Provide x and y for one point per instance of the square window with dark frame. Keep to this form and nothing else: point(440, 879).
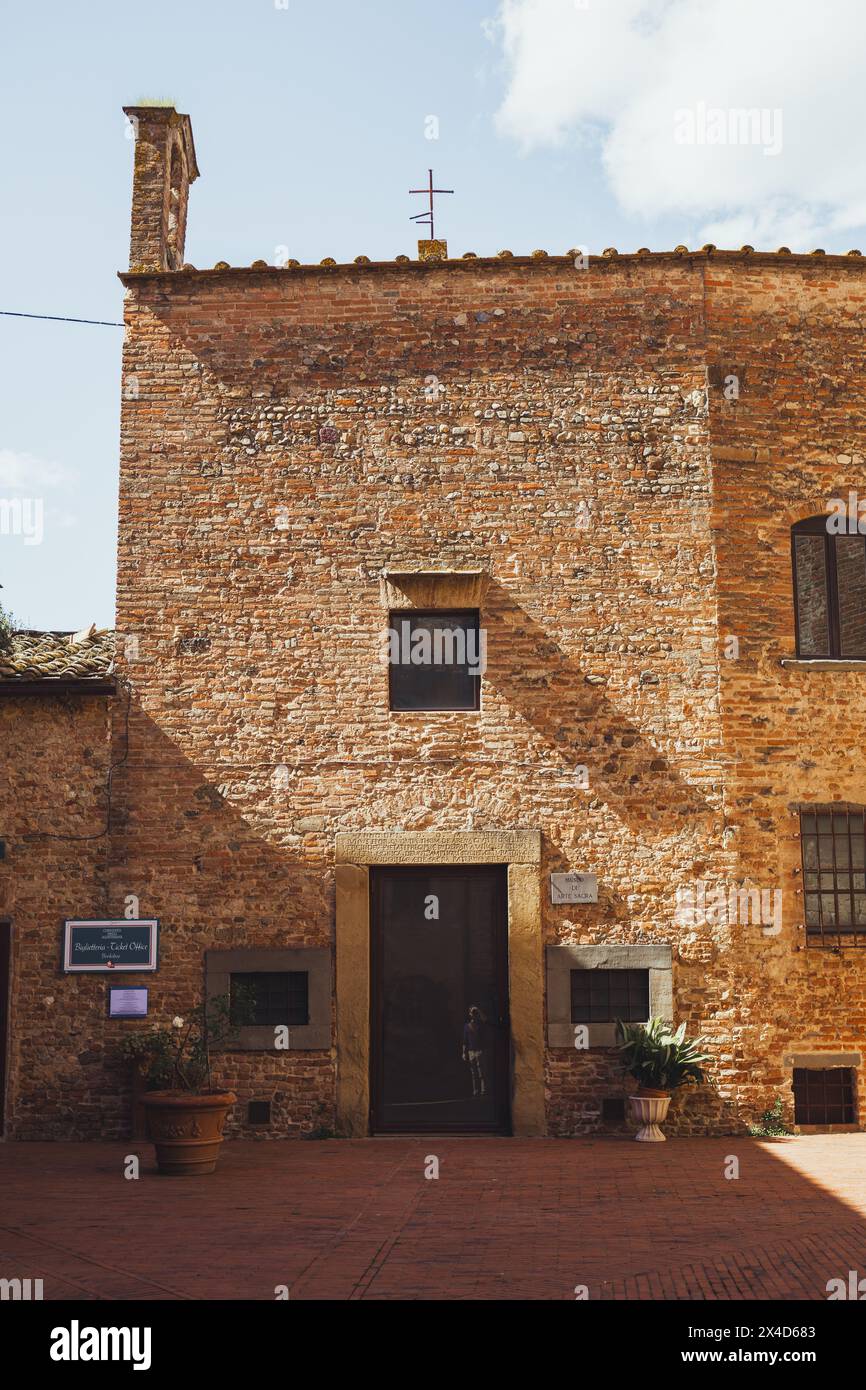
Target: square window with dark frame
point(435, 659)
point(833, 843)
point(603, 996)
point(276, 998)
point(824, 1097)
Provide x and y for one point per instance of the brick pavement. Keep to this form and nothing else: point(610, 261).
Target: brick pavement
point(507, 1218)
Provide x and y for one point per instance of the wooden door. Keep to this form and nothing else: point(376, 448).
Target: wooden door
point(440, 1045)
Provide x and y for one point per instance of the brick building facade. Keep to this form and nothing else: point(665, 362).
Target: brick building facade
point(603, 462)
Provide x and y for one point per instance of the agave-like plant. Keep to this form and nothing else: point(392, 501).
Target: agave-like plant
point(659, 1058)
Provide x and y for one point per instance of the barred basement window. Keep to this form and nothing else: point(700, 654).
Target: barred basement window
point(833, 845)
point(824, 1097)
point(435, 659)
point(829, 591)
point(602, 996)
point(278, 997)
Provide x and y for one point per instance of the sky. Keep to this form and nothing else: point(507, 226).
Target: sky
point(558, 123)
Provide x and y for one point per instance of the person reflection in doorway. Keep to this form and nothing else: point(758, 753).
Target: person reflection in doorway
point(473, 1047)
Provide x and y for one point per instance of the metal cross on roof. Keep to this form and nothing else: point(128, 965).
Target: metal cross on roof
point(428, 215)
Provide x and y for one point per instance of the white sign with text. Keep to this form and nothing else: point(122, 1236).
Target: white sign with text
point(573, 888)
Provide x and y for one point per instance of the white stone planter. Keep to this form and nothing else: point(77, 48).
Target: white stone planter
point(649, 1112)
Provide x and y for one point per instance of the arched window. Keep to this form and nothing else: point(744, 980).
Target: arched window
point(829, 588)
point(175, 229)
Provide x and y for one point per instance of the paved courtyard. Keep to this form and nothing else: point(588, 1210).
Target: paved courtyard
point(506, 1218)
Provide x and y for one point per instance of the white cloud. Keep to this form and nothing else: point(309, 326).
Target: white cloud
point(21, 472)
point(617, 72)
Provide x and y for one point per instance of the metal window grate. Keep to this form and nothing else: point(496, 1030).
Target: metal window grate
point(278, 997)
point(833, 843)
point(602, 996)
point(824, 1097)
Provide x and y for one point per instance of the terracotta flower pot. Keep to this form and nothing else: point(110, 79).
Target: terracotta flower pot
point(649, 1108)
point(187, 1129)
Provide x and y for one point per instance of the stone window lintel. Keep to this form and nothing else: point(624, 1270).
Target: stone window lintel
point(656, 958)
point(445, 589)
point(316, 960)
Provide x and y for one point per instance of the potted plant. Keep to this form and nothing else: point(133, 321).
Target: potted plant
point(185, 1114)
point(660, 1060)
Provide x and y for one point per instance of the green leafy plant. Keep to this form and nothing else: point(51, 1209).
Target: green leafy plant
point(8, 626)
point(151, 1053)
point(178, 1057)
point(659, 1058)
point(770, 1124)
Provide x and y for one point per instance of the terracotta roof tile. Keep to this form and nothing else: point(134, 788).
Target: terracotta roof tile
point(86, 655)
point(642, 253)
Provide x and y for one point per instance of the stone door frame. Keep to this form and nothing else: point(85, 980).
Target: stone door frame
point(355, 853)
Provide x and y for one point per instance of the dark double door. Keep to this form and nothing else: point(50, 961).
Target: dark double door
point(439, 1029)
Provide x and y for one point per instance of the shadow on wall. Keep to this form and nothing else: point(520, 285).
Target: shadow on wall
point(292, 335)
point(196, 862)
point(543, 685)
point(209, 864)
point(549, 690)
point(582, 1085)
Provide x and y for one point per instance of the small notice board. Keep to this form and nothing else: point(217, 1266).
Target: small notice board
point(127, 1003)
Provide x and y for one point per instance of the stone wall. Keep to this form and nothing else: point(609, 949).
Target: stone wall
point(62, 1079)
point(282, 452)
point(793, 734)
point(290, 436)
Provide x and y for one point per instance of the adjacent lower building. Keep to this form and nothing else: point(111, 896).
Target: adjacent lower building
point(489, 665)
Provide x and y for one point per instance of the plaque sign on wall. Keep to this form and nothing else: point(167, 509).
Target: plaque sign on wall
point(127, 1003)
point(110, 945)
point(573, 888)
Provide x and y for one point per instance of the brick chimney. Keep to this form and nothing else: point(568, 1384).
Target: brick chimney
point(165, 166)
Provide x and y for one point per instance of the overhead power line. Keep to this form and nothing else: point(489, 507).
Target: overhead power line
point(58, 318)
